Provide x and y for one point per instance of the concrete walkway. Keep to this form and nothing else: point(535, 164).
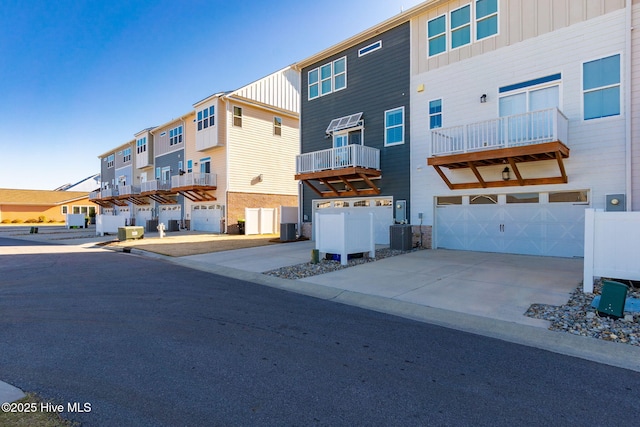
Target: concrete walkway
point(481, 293)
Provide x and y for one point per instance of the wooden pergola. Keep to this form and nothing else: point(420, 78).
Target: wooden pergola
point(345, 182)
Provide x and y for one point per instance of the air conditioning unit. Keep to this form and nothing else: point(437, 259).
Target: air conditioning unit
point(401, 237)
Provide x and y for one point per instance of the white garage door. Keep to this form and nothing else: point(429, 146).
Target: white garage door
point(206, 218)
point(381, 207)
point(169, 212)
point(539, 226)
point(143, 214)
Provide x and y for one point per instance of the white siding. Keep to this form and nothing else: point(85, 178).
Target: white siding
point(635, 109)
point(254, 150)
point(597, 158)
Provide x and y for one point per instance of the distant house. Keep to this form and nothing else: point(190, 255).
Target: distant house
point(87, 184)
point(233, 150)
point(17, 206)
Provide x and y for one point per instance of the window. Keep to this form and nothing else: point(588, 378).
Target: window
point(206, 118)
point(435, 114)
point(111, 160)
point(158, 172)
point(484, 199)
point(394, 126)
point(175, 136)
point(371, 48)
point(328, 78)
point(237, 116)
point(189, 166)
point(569, 197)
point(277, 126)
point(180, 167)
point(449, 200)
point(65, 210)
point(141, 145)
point(313, 84)
point(460, 26)
point(437, 34)
point(601, 87)
point(486, 18)
point(126, 155)
point(339, 74)
point(523, 198)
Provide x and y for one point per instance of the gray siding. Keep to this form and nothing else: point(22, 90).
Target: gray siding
point(172, 160)
point(107, 174)
point(376, 82)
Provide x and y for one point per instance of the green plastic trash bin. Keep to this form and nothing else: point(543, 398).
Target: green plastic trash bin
point(612, 299)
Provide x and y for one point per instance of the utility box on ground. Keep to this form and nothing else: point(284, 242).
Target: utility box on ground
point(400, 237)
point(612, 300)
point(129, 233)
point(287, 232)
point(152, 225)
point(173, 225)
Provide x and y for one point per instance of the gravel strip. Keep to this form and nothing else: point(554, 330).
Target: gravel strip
point(579, 318)
point(307, 269)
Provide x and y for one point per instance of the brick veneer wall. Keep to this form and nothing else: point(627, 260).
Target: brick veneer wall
point(236, 202)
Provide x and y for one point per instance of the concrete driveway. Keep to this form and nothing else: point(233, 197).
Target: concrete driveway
point(497, 286)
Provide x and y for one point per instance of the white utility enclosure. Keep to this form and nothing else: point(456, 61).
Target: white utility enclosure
point(108, 224)
point(345, 233)
point(74, 220)
point(261, 220)
point(611, 246)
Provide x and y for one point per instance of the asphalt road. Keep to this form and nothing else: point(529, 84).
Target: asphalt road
point(146, 342)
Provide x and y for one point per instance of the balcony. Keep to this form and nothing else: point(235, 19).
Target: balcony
point(131, 193)
point(96, 197)
point(159, 191)
point(534, 136)
point(344, 171)
point(195, 186)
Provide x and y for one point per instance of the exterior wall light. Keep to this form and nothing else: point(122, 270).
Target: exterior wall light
point(483, 98)
point(506, 175)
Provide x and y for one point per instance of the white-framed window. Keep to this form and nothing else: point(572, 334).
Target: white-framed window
point(437, 35)
point(435, 114)
point(189, 166)
point(111, 160)
point(206, 117)
point(126, 155)
point(175, 135)
point(180, 166)
point(237, 116)
point(370, 48)
point(394, 126)
point(601, 87)
point(327, 78)
point(158, 173)
point(277, 126)
point(166, 174)
point(486, 18)
point(141, 145)
point(64, 209)
point(460, 26)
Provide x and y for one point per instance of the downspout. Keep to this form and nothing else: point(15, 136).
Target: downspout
point(627, 102)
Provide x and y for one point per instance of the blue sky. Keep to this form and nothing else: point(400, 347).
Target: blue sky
point(78, 78)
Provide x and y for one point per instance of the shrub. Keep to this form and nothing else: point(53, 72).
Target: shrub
point(16, 221)
point(42, 218)
point(51, 221)
point(6, 221)
point(31, 221)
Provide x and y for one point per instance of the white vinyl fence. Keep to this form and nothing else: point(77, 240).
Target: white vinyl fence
point(108, 224)
point(260, 220)
point(345, 233)
point(74, 220)
point(611, 246)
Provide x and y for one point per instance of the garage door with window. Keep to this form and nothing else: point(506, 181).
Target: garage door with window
point(550, 224)
point(206, 217)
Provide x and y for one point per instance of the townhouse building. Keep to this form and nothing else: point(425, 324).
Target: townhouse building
point(233, 150)
point(517, 115)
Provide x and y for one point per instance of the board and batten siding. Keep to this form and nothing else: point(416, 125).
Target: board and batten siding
point(597, 158)
point(376, 82)
point(518, 20)
point(254, 150)
point(280, 90)
point(161, 144)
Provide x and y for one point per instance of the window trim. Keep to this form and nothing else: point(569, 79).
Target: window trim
point(429, 54)
point(468, 24)
point(330, 79)
point(111, 160)
point(277, 126)
point(435, 114)
point(386, 127)
point(618, 85)
point(484, 18)
point(237, 118)
point(175, 135)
